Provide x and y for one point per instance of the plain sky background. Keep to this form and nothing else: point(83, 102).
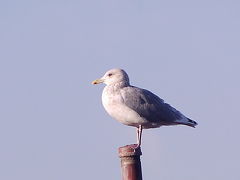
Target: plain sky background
point(52, 123)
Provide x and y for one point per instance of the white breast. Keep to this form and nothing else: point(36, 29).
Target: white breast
point(115, 107)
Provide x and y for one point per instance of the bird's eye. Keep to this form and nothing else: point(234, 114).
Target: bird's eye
point(110, 74)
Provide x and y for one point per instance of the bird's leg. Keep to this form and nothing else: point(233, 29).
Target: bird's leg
point(139, 136)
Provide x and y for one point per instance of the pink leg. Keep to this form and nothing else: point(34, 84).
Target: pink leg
point(139, 136)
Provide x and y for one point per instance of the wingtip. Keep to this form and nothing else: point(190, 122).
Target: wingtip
point(192, 123)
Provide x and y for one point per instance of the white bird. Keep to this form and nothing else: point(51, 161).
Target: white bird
point(137, 107)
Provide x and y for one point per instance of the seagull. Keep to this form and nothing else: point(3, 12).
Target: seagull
point(133, 106)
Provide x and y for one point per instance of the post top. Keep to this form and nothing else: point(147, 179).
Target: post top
point(129, 150)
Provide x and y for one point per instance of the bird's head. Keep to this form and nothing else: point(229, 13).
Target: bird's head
point(113, 76)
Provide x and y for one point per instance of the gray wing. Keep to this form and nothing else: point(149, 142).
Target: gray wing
point(149, 106)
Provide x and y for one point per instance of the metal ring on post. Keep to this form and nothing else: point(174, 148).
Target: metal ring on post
point(130, 162)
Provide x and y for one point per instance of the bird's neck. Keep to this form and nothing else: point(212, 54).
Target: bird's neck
point(119, 85)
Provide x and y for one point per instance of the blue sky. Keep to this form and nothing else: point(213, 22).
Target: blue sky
point(52, 123)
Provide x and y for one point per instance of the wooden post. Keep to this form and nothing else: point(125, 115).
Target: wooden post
point(130, 162)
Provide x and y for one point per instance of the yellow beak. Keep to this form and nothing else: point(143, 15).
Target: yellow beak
point(98, 81)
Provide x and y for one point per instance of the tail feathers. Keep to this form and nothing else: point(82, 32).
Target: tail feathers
point(188, 122)
point(191, 123)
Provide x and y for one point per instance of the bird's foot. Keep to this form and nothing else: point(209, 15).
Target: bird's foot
point(135, 147)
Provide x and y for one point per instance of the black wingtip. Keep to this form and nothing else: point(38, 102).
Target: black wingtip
point(192, 123)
